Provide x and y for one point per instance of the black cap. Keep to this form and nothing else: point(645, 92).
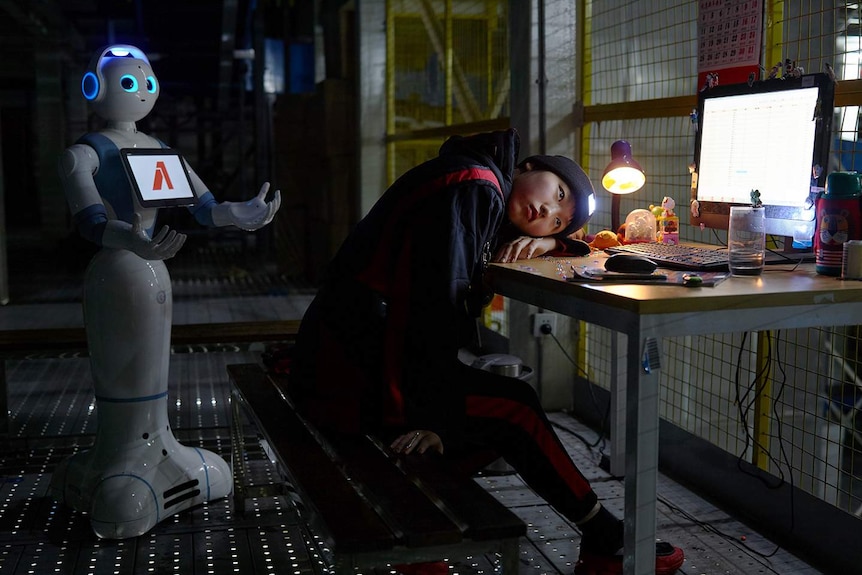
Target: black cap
point(579, 186)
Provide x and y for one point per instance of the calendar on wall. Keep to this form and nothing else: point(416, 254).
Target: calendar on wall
point(729, 41)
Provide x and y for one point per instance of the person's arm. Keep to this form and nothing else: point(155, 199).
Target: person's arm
point(526, 247)
point(446, 258)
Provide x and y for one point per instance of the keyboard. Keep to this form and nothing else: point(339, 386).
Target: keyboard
point(701, 258)
point(676, 256)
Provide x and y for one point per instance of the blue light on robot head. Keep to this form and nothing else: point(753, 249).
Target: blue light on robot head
point(90, 86)
point(151, 84)
point(124, 51)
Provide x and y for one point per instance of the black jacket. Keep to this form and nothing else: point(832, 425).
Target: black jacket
point(401, 296)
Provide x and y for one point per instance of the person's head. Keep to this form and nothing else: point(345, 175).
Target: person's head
point(551, 196)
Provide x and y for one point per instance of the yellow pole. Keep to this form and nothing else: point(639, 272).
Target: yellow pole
point(390, 92)
point(774, 30)
point(584, 72)
point(450, 61)
point(762, 400)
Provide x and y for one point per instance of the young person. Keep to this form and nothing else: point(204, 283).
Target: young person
point(377, 350)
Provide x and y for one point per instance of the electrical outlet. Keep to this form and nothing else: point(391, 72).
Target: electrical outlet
point(544, 319)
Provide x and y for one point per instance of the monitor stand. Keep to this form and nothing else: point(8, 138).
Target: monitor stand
point(788, 254)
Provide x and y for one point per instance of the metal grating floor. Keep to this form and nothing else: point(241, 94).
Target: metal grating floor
point(52, 415)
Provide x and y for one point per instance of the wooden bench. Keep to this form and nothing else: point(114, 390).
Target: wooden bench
point(20, 342)
point(371, 507)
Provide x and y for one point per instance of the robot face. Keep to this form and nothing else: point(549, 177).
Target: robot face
point(128, 89)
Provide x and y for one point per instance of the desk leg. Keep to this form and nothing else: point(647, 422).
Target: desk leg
point(619, 369)
point(641, 456)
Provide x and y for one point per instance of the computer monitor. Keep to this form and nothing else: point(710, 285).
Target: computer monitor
point(772, 136)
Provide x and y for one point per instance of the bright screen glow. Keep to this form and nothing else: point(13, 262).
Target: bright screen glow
point(159, 177)
point(760, 141)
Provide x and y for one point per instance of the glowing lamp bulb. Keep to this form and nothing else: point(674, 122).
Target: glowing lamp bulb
point(623, 174)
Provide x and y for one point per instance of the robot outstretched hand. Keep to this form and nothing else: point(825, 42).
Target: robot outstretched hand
point(122, 235)
point(251, 215)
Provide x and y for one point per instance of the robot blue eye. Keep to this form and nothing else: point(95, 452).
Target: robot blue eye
point(129, 83)
point(151, 84)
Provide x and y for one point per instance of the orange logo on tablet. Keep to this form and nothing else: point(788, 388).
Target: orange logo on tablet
point(162, 176)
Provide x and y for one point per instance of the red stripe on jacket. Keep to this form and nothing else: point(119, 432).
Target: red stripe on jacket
point(380, 276)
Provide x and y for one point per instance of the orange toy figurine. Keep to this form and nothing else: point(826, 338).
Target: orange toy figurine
point(604, 239)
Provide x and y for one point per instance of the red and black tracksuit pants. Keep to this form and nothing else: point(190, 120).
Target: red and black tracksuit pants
point(503, 415)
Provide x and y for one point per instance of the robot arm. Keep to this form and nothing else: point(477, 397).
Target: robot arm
point(121, 235)
point(78, 166)
point(249, 216)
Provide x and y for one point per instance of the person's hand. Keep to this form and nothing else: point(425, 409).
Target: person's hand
point(251, 215)
point(524, 248)
point(420, 441)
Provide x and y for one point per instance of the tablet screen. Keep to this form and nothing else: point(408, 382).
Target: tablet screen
point(159, 177)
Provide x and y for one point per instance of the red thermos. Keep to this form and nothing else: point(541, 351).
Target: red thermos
point(839, 219)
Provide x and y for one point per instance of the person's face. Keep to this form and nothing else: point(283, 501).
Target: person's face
point(541, 203)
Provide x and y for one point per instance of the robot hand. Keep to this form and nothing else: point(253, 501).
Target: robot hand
point(121, 235)
point(251, 215)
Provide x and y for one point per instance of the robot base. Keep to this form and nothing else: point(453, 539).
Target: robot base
point(127, 487)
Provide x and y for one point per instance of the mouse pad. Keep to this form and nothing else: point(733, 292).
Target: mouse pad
point(658, 277)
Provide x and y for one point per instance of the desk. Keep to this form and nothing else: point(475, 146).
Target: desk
point(642, 315)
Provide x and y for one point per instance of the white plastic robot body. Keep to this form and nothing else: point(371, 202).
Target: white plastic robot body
point(136, 474)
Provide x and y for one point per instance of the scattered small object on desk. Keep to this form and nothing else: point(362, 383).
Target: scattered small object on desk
point(755, 199)
point(605, 239)
point(692, 280)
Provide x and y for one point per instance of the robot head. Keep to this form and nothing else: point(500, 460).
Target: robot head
point(120, 83)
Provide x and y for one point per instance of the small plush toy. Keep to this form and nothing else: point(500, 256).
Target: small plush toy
point(604, 239)
point(667, 206)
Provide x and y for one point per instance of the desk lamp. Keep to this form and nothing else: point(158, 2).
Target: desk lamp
point(622, 176)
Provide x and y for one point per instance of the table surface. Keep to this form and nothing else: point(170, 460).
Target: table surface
point(779, 285)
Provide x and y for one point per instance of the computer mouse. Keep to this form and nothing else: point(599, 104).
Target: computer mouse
point(630, 263)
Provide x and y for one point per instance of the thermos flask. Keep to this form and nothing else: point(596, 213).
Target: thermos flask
point(838, 220)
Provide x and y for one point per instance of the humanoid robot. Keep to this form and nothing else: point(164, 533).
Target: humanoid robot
point(137, 473)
